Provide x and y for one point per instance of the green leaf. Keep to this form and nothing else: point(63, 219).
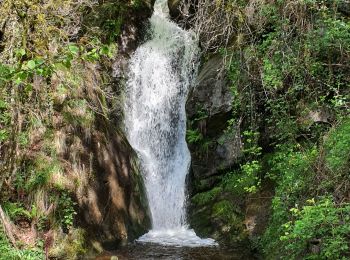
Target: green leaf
point(20, 77)
point(18, 81)
point(60, 66)
point(104, 50)
point(21, 52)
point(3, 104)
point(28, 88)
point(67, 63)
point(31, 64)
point(39, 61)
point(40, 71)
point(3, 135)
point(73, 49)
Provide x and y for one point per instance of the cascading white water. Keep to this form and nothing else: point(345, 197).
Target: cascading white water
point(160, 74)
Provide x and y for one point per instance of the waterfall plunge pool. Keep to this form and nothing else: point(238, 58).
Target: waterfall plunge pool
point(149, 251)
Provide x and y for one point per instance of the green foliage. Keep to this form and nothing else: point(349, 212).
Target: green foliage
point(16, 211)
point(337, 147)
point(244, 180)
point(8, 252)
point(200, 115)
point(323, 225)
point(297, 223)
point(5, 117)
point(48, 84)
point(272, 78)
point(70, 246)
point(194, 133)
point(251, 147)
point(216, 207)
point(225, 213)
point(203, 198)
point(39, 173)
point(223, 209)
point(247, 178)
point(193, 136)
point(291, 66)
point(113, 27)
point(109, 17)
point(78, 112)
point(292, 171)
point(65, 210)
point(250, 180)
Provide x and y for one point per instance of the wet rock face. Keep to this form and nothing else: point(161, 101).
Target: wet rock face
point(212, 90)
point(174, 10)
point(134, 29)
point(208, 109)
point(222, 152)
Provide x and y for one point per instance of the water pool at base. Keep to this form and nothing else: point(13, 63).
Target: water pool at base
point(148, 251)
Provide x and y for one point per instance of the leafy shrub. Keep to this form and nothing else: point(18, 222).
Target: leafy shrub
point(65, 210)
point(289, 61)
point(291, 169)
point(318, 231)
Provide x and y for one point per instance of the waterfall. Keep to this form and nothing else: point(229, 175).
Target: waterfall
point(161, 71)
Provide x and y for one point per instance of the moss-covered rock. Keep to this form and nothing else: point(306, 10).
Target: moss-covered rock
point(218, 214)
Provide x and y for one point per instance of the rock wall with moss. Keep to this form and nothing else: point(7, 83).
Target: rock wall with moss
point(268, 123)
point(69, 180)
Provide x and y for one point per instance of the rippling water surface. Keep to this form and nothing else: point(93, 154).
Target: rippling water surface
point(154, 251)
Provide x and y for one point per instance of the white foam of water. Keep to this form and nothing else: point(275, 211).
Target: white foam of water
point(161, 71)
point(176, 237)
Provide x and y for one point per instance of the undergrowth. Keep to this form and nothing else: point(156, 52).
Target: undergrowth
point(55, 58)
point(288, 64)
